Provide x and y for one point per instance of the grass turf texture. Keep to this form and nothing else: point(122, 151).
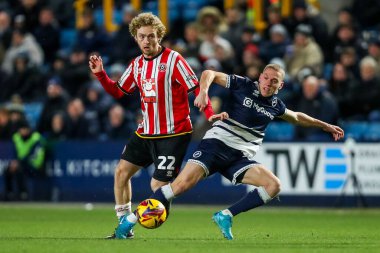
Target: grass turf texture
point(70, 228)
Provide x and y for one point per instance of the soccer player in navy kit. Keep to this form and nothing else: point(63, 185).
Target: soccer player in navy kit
point(230, 145)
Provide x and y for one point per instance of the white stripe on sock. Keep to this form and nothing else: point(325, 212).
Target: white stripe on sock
point(264, 194)
point(168, 192)
point(132, 218)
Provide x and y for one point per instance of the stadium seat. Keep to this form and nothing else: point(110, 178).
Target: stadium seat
point(279, 131)
point(68, 38)
point(372, 132)
point(33, 112)
point(355, 130)
point(191, 8)
point(151, 6)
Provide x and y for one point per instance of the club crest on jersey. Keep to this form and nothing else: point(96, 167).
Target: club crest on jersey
point(274, 102)
point(149, 90)
point(139, 70)
point(197, 154)
point(162, 67)
point(256, 93)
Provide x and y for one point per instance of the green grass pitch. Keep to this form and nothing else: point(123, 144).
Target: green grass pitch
point(71, 228)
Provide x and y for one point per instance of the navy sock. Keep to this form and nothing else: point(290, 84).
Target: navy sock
point(248, 202)
point(161, 197)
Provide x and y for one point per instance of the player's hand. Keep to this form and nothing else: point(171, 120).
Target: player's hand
point(96, 63)
point(336, 131)
point(219, 116)
point(201, 101)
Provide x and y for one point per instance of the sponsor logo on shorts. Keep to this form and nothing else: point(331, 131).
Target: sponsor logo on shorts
point(197, 154)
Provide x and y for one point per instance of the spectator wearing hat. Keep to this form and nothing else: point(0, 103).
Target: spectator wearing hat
point(28, 162)
point(276, 46)
point(22, 42)
point(304, 52)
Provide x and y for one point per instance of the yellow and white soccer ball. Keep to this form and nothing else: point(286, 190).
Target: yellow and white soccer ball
point(151, 213)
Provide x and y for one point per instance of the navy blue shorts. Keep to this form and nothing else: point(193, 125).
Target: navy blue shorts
point(215, 156)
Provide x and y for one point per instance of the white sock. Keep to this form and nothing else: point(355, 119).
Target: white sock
point(132, 218)
point(264, 194)
point(227, 212)
point(123, 209)
point(168, 192)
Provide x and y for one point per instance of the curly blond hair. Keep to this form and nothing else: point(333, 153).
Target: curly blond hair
point(147, 19)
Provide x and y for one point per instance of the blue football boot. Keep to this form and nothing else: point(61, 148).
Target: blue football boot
point(124, 229)
point(224, 223)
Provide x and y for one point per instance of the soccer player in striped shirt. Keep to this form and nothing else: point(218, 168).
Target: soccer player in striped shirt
point(164, 79)
point(230, 145)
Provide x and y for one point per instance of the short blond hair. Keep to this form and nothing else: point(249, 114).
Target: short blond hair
point(147, 19)
point(277, 68)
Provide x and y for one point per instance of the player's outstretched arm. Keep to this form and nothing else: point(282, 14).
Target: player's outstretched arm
point(96, 66)
point(305, 120)
point(207, 78)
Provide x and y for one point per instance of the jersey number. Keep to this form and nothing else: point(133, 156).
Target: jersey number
point(164, 159)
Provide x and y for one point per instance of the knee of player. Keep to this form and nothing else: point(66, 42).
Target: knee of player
point(120, 172)
point(275, 186)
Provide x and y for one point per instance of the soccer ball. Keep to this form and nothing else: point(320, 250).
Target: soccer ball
point(151, 213)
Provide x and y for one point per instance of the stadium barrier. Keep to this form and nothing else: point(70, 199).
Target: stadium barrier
point(312, 174)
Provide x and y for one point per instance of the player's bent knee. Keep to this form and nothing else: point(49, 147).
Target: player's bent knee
point(274, 187)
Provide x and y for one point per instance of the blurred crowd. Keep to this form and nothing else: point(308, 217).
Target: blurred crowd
point(333, 76)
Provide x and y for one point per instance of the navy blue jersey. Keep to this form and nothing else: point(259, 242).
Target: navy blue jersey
point(250, 113)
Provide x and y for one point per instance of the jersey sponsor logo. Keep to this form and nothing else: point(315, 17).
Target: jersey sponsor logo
point(247, 102)
point(197, 154)
point(149, 90)
point(274, 102)
point(263, 111)
point(162, 67)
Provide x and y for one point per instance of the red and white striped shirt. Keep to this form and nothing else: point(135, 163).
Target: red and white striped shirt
point(164, 83)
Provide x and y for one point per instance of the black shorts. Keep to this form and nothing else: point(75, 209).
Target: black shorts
point(166, 153)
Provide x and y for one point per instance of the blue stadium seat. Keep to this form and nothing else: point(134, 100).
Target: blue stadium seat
point(191, 8)
point(355, 130)
point(151, 6)
point(279, 131)
point(99, 17)
point(68, 38)
point(33, 112)
point(372, 133)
